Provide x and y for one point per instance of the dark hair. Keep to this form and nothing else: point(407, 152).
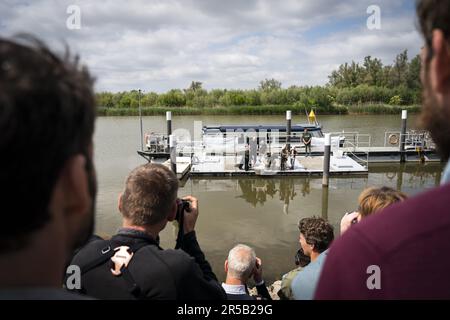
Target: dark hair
point(317, 232)
point(301, 259)
point(150, 192)
point(47, 115)
point(433, 14)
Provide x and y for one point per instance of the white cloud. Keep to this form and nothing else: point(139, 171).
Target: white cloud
point(159, 45)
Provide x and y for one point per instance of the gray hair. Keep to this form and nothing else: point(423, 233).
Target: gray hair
point(241, 262)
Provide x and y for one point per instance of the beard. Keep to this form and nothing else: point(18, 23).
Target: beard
point(87, 226)
point(435, 118)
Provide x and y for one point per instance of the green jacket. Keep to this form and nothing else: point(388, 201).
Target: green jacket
point(307, 137)
point(285, 292)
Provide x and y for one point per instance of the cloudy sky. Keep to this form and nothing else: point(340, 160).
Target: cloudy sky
point(160, 45)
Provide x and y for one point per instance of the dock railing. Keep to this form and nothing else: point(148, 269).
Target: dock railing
point(417, 140)
point(356, 145)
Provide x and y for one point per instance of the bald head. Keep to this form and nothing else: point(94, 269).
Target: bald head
point(241, 262)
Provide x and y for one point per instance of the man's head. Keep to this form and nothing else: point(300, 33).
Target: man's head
point(316, 235)
point(240, 263)
point(47, 114)
point(306, 130)
point(150, 195)
point(434, 22)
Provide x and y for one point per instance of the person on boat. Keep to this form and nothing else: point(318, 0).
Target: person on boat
point(48, 203)
point(247, 158)
point(284, 157)
point(370, 201)
point(268, 160)
point(306, 138)
point(262, 148)
point(378, 258)
point(241, 265)
point(132, 265)
point(293, 153)
point(253, 151)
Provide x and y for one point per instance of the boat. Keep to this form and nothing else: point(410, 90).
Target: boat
point(271, 133)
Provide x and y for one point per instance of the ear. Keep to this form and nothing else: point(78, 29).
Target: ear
point(119, 202)
point(226, 266)
point(173, 213)
point(74, 182)
point(440, 64)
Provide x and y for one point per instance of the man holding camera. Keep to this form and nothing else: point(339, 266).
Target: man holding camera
point(132, 265)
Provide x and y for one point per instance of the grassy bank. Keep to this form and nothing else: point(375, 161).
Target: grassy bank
point(381, 109)
point(257, 110)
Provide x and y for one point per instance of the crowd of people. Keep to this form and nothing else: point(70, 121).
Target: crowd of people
point(48, 205)
point(256, 155)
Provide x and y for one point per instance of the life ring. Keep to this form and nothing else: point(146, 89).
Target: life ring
point(393, 139)
point(391, 175)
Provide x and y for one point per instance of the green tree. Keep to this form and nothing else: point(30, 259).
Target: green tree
point(413, 77)
point(173, 98)
point(195, 85)
point(348, 75)
point(105, 99)
point(269, 85)
point(149, 99)
point(373, 71)
point(399, 71)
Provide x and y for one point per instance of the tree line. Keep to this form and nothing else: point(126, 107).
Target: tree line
point(351, 84)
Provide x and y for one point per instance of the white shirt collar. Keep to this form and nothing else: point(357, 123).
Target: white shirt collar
point(234, 288)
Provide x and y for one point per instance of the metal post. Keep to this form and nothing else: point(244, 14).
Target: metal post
point(403, 135)
point(400, 171)
point(140, 120)
point(169, 127)
point(288, 128)
point(173, 154)
point(326, 160)
point(325, 203)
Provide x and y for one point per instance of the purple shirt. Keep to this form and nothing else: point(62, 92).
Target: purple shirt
point(408, 241)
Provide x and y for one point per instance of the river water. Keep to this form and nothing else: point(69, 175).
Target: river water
point(260, 212)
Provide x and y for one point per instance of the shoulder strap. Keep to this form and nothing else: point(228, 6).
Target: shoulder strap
point(133, 287)
point(106, 253)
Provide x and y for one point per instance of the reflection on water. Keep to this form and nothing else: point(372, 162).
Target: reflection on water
point(261, 212)
point(264, 212)
point(256, 191)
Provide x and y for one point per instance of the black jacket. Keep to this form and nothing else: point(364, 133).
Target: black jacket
point(160, 274)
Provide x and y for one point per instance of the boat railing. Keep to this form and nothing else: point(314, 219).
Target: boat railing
point(356, 145)
point(156, 142)
point(418, 140)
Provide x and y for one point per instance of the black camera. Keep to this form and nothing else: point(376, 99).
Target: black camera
point(182, 205)
point(301, 259)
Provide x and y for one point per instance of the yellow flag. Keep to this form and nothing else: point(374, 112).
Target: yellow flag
point(312, 116)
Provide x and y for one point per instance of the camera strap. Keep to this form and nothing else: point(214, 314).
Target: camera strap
point(179, 242)
point(106, 254)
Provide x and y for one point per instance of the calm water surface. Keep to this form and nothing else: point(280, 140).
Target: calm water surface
point(261, 212)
